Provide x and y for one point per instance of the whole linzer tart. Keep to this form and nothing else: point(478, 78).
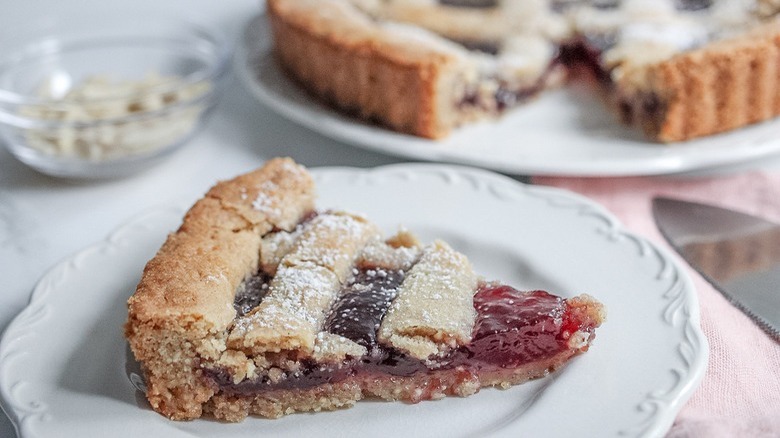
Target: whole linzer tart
point(677, 69)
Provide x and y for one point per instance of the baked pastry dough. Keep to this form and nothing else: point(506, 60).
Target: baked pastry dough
point(679, 69)
point(260, 304)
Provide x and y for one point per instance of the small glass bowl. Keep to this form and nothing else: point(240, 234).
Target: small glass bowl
point(97, 97)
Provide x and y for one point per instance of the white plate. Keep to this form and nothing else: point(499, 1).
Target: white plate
point(62, 360)
point(564, 132)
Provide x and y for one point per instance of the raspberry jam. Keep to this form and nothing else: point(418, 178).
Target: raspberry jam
point(512, 328)
point(251, 292)
point(356, 315)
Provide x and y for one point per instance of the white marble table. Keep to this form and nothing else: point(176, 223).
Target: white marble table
point(43, 220)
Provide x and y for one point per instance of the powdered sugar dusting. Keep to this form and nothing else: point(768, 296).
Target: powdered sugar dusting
point(275, 246)
point(293, 308)
point(434, 302)
point(334, 348)
point(264, 203)
point(333, 240)
point(378, 253)
point(307, 281)
point(215, 278)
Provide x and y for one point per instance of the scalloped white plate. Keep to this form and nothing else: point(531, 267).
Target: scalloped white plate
point(62, 360)
point(564, 132)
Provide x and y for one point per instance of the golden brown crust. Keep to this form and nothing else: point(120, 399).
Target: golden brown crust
point(200, 265)
point(275, 196)
point(407, 87)
point(193, 276)
point(183, 304)
point(343, 58)
point(720, 87)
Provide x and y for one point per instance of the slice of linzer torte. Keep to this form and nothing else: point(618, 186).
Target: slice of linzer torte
point(259, 304)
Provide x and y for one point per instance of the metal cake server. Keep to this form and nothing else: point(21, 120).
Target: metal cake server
point(739, 254)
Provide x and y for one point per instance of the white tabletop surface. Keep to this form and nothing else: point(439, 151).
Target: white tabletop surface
point(43, 220)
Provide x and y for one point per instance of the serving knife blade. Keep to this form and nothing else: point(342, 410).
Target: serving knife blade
point(739, 254)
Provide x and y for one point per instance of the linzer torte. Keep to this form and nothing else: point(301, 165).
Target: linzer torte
point(679, 69)
point(259, 304)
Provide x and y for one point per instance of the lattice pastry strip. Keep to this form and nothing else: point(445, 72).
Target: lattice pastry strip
point(306, 283)
point(433, 312)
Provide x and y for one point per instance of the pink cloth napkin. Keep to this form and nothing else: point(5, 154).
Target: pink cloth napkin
point(740, 393)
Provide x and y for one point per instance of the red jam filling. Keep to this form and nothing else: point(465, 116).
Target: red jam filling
point(363, 303)
point(251, 292)
point(512, 328)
